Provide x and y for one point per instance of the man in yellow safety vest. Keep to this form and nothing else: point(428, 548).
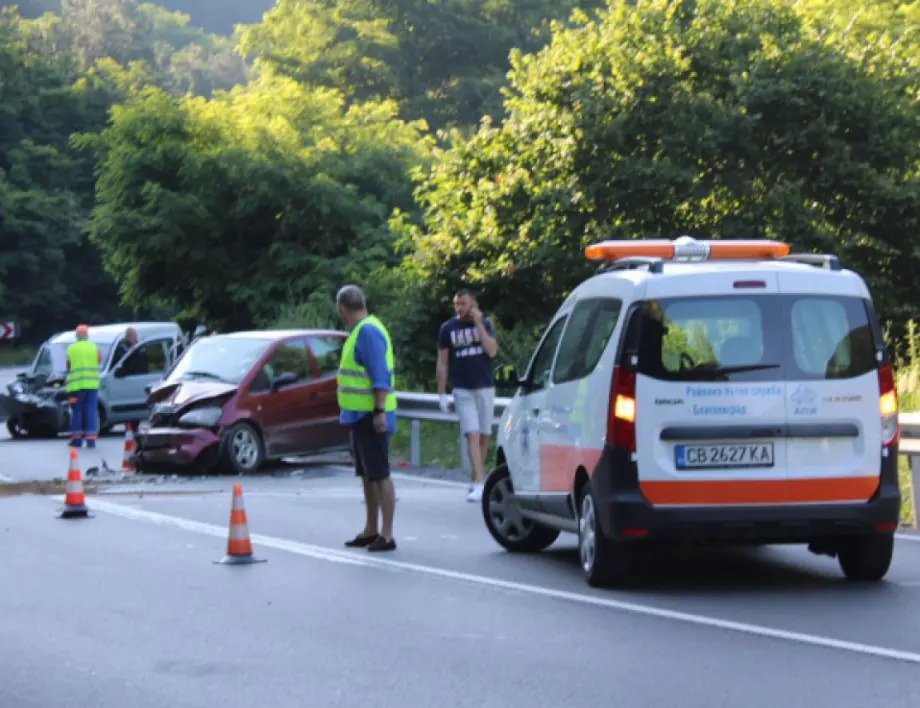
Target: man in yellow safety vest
point(367, 403)
point(84, 362)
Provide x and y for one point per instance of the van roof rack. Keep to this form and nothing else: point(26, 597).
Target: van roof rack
point(655, 265)
point(821, 260)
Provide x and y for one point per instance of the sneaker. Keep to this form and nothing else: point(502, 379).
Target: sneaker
point(381, 544)
point(475, 494)
point(362, 541)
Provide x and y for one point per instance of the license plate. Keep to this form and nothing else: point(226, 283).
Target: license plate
point(715, 456)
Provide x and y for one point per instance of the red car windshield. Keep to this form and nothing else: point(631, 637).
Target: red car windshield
point(226, 359)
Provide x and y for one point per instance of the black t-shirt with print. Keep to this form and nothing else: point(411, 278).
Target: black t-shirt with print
point(470, 366)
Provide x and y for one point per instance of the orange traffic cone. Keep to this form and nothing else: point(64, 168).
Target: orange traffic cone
point(126, 464)
point(239, 547)
point(74, 498)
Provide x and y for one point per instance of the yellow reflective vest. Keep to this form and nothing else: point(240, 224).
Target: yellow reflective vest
point(84, 371)
point(355, 392)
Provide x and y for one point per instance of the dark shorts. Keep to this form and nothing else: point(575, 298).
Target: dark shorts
point(371, 450)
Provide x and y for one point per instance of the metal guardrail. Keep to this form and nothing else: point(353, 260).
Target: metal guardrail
point(416, 407)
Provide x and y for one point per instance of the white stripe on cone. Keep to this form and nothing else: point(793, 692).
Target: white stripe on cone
point(238, 533)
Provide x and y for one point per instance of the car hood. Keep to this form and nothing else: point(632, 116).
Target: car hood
point(185, 393)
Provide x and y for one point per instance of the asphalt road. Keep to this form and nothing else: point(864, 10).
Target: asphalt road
point(129, 608)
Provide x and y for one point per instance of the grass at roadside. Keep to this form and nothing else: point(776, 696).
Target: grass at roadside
point(440, 445)
point(907, 510)
point(16, 356)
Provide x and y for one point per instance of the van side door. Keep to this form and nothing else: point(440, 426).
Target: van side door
point(529, 414)
point(575, 434)
point(125, 387)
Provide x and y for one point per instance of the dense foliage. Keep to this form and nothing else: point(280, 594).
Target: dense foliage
point(711, 118)
point(150, 166)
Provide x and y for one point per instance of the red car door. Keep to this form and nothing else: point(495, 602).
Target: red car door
point(284, 411)
point(326, 350)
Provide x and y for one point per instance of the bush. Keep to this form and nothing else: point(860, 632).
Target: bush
point(906, 355)
point(16, 355)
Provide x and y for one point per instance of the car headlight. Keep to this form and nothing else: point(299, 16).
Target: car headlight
point(202, 417)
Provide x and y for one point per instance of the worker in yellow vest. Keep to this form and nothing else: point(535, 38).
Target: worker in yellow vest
point(84, 368)
point(367, 404)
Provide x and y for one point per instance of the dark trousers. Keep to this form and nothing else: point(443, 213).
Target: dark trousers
point(371, 450)
point(84, 418)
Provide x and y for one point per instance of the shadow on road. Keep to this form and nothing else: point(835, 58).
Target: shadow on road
point(728, 570)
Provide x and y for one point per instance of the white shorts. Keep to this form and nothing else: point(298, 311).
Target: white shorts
point(476, 409)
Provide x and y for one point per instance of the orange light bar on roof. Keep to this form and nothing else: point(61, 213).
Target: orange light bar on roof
point(686, 248)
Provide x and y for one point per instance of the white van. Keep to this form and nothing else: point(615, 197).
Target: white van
point(122, 394)
point(706, 392)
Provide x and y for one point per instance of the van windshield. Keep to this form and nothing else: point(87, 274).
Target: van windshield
point(755, 338)
point(52, 358)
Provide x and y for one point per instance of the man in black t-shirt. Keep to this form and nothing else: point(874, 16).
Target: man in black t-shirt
point(466, 348)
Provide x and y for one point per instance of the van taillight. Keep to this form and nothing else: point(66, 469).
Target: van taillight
point(621, 418)
point(888, 406)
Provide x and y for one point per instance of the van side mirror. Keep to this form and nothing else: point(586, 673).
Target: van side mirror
point(148, 388)
point(21, 376)
point(285, 379)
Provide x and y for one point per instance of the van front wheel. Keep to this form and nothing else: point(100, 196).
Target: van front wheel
point(867, 558)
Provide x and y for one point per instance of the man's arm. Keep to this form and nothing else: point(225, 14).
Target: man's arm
point(371, 353)
point(487, 336)
point(442, 370)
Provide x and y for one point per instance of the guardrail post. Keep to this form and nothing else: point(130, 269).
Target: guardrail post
point(914, 461)
point(415, 443)
point(464, 449)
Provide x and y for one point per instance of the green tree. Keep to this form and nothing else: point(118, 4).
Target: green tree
point(720, 119)
point(443, 61)
point(232, 206)
point(50, 275)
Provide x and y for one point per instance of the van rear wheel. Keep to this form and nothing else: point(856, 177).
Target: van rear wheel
point(605, 562)
point(867, 558)
point(504, 520)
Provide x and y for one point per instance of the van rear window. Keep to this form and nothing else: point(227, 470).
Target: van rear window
point(754, 338)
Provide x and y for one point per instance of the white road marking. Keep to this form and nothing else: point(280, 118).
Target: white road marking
point(908, 537)
point(221, 532)
point(335, 556)
point(431, 480)
point(412, 478)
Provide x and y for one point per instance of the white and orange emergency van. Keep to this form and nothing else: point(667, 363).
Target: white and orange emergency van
point(704, 392)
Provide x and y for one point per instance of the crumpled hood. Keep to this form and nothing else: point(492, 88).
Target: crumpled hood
point(185, 393)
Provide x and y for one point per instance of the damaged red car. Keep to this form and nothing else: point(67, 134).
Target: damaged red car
point(235, 401)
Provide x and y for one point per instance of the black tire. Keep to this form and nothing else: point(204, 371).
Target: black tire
point(238, 435)
point(503, 517)
point(867, 558)
point(604, 562)
point(104, 427)
point(15, 430)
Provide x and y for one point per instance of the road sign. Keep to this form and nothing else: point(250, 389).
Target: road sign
point(7, 330)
